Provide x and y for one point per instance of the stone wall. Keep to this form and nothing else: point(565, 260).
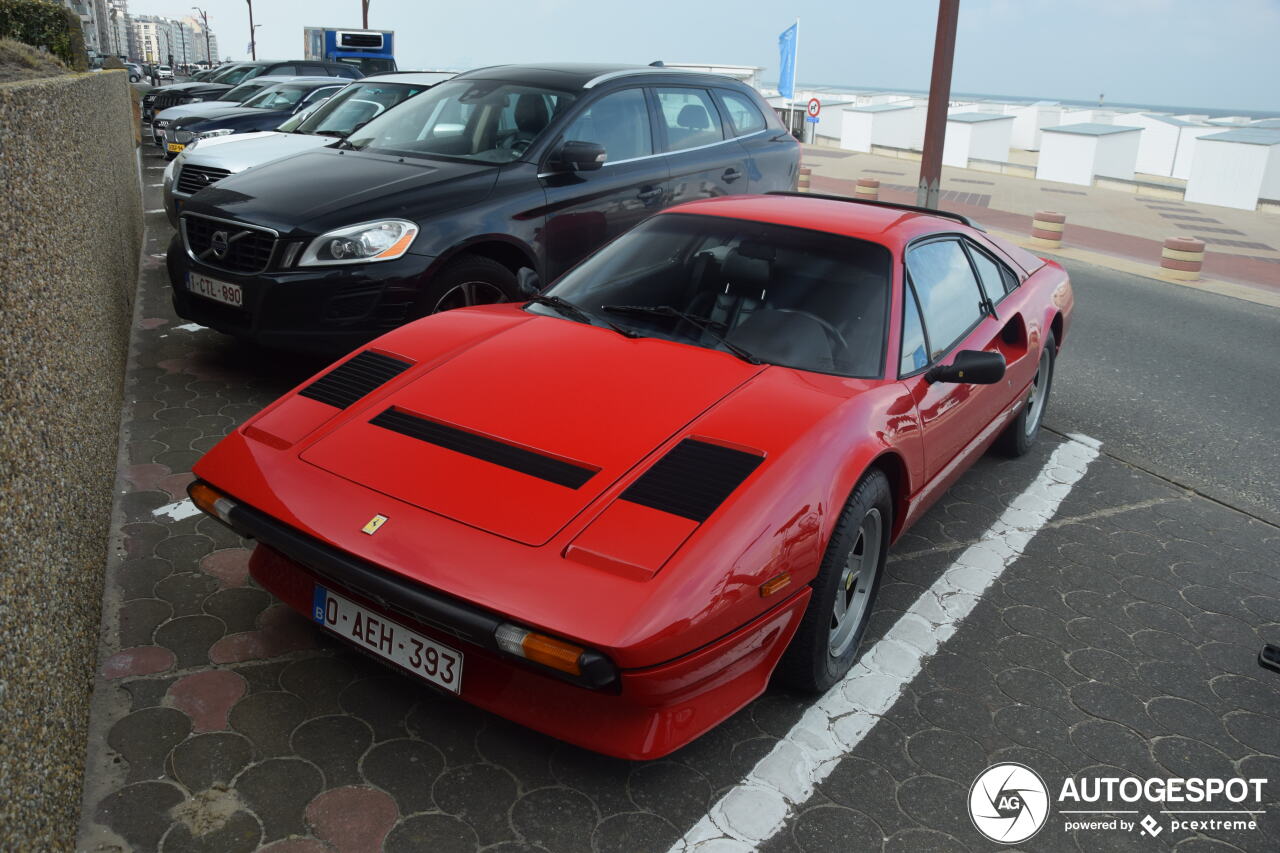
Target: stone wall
point(70, 237)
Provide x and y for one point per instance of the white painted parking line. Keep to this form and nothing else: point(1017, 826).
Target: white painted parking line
point(177, 511)
point(156, 210)
point(758, 807)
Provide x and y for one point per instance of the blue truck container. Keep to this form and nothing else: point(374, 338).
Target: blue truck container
point(372, 51)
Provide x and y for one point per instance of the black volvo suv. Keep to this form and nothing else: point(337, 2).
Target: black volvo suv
point(442, 200)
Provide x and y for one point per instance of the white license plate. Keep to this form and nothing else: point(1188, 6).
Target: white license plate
point(218, 291)
point(425, 658)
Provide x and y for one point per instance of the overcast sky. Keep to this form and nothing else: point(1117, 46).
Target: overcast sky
point(1208, 53)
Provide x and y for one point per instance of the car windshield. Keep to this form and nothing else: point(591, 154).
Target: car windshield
point(233, 75)
point(244, 91)
point(787, 296)
point(369, 65)
point(354, 106)
point(280, 97)
point(487, 121)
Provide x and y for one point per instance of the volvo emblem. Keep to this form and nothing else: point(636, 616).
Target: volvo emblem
point(218, 244)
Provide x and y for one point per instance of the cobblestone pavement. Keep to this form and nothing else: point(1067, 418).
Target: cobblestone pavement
point(1123, 641)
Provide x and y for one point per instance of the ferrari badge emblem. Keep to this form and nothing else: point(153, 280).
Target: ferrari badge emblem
point(374, 523)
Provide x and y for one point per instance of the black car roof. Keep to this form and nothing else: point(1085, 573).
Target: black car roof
point(584, 75)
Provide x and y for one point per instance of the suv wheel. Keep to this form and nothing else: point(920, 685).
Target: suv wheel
point(470, 280)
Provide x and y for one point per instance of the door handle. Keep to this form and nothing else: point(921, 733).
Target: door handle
point(649, 194)
point(730, 175)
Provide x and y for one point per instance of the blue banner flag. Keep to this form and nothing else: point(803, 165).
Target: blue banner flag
point(787, 71)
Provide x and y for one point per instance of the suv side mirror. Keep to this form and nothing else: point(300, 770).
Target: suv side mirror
point(582, 156)
point(973, 367)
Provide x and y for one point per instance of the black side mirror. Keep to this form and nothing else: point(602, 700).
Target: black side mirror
point(582, 156)
point(527, 282)
point(972, 367)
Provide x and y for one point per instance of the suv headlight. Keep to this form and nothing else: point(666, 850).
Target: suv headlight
point(221, 131)
point(384, 240)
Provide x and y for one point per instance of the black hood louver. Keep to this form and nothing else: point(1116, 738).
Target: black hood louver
point(487, 449)
point(351, 380)
point(693, 479)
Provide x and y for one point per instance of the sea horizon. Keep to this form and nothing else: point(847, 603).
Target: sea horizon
point(1211, 112)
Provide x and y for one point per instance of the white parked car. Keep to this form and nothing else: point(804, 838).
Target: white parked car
point(164, 72)
point(206, 161)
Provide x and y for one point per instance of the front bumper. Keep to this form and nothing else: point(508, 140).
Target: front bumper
point(316, 309)
point(638, 714)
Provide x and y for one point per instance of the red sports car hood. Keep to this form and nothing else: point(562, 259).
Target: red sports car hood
point(517, 434)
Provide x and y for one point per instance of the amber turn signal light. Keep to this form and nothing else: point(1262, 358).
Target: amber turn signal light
point(539, 648)
point(774, 584)
point(210, 501)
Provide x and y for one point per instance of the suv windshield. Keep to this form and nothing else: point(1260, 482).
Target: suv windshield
point(354, 106)
point(487, 121)
point(369, 65)
point(787, 296)
point(233, 75)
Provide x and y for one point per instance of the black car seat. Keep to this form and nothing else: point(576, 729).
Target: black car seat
point(737, 289)
point(531, 118)
point(694, 126)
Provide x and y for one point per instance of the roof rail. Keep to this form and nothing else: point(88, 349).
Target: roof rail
point(947, 214)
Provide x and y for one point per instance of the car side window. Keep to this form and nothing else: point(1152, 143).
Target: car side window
point(618, 121)
point(949, 296)
point(285, 70)
point(992, 273)
point(690, 118)
point(915, 350)
point(743, 114)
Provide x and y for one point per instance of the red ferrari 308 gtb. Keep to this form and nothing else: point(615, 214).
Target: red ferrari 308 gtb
point(614, 512)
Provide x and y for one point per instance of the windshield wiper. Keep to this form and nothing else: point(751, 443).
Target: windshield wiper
point(706, 324)
point(336, 133)
point(567, 308)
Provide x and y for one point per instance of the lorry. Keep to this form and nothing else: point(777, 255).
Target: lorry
point(372, 51)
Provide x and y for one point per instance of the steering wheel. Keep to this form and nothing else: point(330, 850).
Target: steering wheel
point(833, 333)
point(516, 141)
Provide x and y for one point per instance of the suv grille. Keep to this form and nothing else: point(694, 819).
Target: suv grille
point(192, 179)
point(226, 245)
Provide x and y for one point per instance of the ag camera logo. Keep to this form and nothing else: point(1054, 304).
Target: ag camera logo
point(1008, 803)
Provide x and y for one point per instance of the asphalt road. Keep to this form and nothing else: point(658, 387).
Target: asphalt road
point(1177, 381)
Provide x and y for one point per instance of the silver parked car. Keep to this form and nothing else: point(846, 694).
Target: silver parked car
point(206, 161)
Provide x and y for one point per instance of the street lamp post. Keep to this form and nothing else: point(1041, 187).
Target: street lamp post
point(935, 122)
point(253, 35)
point(204, 22)
point(364, 9)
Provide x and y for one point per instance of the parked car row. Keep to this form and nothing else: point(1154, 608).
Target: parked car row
point(615, 507)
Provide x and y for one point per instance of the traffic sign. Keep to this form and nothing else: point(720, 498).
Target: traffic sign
point(815, 107)
point(811, 119)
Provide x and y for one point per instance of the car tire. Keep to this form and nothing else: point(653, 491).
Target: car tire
point(826, 643)
point(469, 280)
point(1021, 432)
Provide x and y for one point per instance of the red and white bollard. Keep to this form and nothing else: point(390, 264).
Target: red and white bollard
point(1046, 229)
point(867, 188)
point(802, 184)
point(1182, 258)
